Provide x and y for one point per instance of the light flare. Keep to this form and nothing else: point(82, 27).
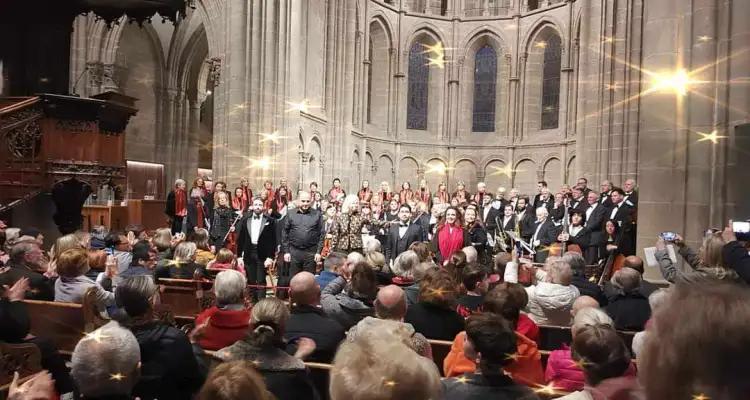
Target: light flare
point(712, 137)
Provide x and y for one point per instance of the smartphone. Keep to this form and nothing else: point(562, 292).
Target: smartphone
point(741, 229)
point(668, 236)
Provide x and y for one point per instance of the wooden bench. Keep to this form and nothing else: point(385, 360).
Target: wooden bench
point(440, 350)
point(24, 358)
point(185, 298)
point(552, 337)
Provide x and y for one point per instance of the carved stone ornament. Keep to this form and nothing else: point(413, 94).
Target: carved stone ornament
point(214, 70)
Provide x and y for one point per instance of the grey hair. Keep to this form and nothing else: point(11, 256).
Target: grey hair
point(178, 182)
point(229, 287)
point(590, 316)
point(110, 351)
point(134, 294)
point(627, 280)
point(371, 245)
point(576, 261)
point(657, 299)
point(185, 251)
point(471, 254)
point(542, 210)
point(19, 250)
point(405, 264)
point(421, 270)
point(561, 273)
point(355, 258)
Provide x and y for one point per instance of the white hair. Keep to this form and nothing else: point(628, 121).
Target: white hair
point(657, 299)
point(370, 244)
point(590, 316)
point(405, 263)
point(110, 351)
point(354, 258)
point(229, 287)
point(471, 254)
point(349, 202)
point(185, 251)
point(178, 182)
point(542, 211)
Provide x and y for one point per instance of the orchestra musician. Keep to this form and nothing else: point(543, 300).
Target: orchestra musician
point(621, 212)
point(504, 227)
point(575, 233)
point(222, 221)
point(545, 233)
point(524, 219)
point(594, 222)
point(578, 200)
point(558, 209)
point(488, 212)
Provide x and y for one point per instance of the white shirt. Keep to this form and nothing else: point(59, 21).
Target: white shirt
point(255, 225)
point(536, 232)
point(614, 211)
point(402, 231)
point(573, 230)
point(589, 211)
point(486, 211)
point(505, 220)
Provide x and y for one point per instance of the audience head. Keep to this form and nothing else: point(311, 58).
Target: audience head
point(380, 365)
point(136, 295)
point(601, 352)
point(371, 245)
point(34, 233)
point(162, 239)
point(364, 284)
point(500, 261)
point(583, 302)
point(422, 249)
point(229, 287)
point(576, 262)
point(26, 253)
point(506, 299)
point(268, 319)
point(391, 303)
point(590, 316)
point(334, 262)
point(700, 340)
point(626, 279)
point(304, 289)
point(475, 278)
point(422, 269)
point(185, 252)
point(225, 256)
point(561, 273)
point(404, 264)
point(106, 363)
point(657, 299)
point(200, 237)
point(73, 263)
point(143, 255)
point(66, 242)
point(710, 252)
point(635, 263)
point(490, 341)
point(352, 259)
point(471, 254)
point(234, 380)
point(438, 288)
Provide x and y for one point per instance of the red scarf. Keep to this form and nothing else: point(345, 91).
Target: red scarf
point(450, 240)
point(365, 194)
point(443, 197)
point(240, 202)
point(406, 194)
point(424, 195)
point(199, 208)
point(180, 202)
point(385, 197)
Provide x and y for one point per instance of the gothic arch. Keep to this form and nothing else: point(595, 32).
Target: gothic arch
point(542, 81)
point(380, 70)
point(485, 33)
point(424, 28)
point(542, 23)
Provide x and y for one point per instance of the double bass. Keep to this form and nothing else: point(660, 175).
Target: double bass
point(559, 248)
point(614, 263)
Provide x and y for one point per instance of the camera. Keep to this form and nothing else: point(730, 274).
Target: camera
point(741, 230)
point(668, 236)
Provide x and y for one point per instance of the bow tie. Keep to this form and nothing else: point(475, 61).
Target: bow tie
point(257, 217)
point(403, 225)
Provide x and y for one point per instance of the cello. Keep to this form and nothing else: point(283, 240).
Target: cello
point(614, 263)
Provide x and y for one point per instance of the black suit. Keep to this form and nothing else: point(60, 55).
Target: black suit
point(595, 224)
point(489, 221)
point(397, 245)
point(579, 205)
point(546, 236)
point(624, 218)
point(255, 255)
point(605, 200)
point(633, 198)
point(312, 322)
point(526, 224)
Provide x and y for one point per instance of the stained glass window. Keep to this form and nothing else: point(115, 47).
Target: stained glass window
point(551, 83)
point(485, 84)
point(419, 79)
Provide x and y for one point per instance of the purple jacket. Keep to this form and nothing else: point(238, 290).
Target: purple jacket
point(563, 372)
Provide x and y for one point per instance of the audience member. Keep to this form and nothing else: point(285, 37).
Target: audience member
point(655, 301)
point(105, 363)
point(62, 244)
point(142, 264)
point(629, 309)
point(72, 284)
point(184, 265)
point(24, 262)
point(331, 267)
point(434, 315)
point(735, 254)
point(234, 380)
point(228, 320)
point(203, 253)
point(225, 260)
point(403, 267)
point(169, 364)
point(420, 271)
point(583, 302)
point(585, 286)
point(706, 264)
point(491, 342)
point(476, 283)
point(635, 263)
point(698, 344)
point(472, 256)
point(285, 376)
point(349, 298)
point(308, 319)
point(551, 299)
point(506, 301)
point(605, 361)
point(163, 241)
point(120, 247)
point(380, 365)
point(390, 308)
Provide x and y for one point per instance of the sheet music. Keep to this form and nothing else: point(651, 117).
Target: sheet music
point(650, 253)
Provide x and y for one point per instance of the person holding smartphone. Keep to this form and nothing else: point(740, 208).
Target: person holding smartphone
point(707, 264)
point(735, 252)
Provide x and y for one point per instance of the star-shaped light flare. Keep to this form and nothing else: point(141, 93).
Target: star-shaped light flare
point(712, 137)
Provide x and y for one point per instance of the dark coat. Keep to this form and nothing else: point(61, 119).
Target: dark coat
point(587, 288)
point(435, 244)
point(186, 270)
point(490, 223)
point(267, 240)
point(396, 245)
point(171, 208)
point(737, 258)
point(169, 369)
point(220, 223)
point(41, 288)
point(477, 386)
point(434, 322)
point(629, 311)
point(312, 322)
point(595, 224)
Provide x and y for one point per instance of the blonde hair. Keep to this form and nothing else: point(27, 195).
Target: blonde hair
point(64, 243)
point(710, 252)
point(73, 262)
point(200, 238)
point(350, 201)
point(162, 239)
point(185, 251)
point(224, 256)
point(380, 365)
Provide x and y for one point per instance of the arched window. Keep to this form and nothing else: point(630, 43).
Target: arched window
point(551, 82)
point(485, 73)
point(419, 79)
point(369, 84)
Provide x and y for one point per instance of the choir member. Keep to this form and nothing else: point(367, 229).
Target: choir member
point(461, 194)
point(423, 194)
point(385, 192)
point(545, 233)
point(450, 236)
point(336, 193)
point(176, 208)
point(365, 193)
point(442, 196)
point(406, 194)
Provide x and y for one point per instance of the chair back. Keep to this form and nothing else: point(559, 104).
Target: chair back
point(185, 298)
point(63, 323)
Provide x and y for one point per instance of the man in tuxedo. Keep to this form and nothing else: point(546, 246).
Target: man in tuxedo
point(606, 187)
point(539, 189)
point(544, 199)
point(524, 218)
point(622, 213)
point(402, 234)
point(631, 194)
point(582, 184)
point(256, 243)
point(488, 213)
point(545, 233)
point(595, 216)
point(578, 200)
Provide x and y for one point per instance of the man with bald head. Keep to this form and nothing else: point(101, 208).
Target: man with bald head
point(390, 310)
point(606, 191)
point(583, 302)
point(631, 194)
point(646, 287)
point(307, 319)
point(301, 239)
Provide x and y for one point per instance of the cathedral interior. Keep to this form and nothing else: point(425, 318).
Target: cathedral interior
point(507, 92)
